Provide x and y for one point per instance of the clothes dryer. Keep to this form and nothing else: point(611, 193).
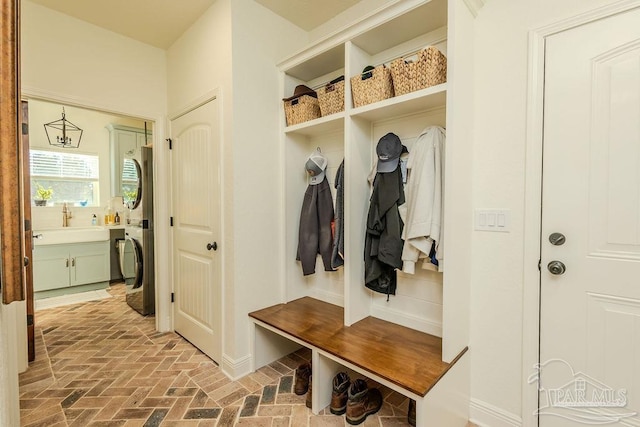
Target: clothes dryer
point(138, 248)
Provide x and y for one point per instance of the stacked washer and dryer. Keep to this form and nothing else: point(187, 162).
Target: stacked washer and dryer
point(136, 250)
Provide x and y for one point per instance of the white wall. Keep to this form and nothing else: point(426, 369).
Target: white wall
point(260, 40)
point(244, 72)
point(501, 67)
point(78, 63)
point(63, 56)
point(9, 396)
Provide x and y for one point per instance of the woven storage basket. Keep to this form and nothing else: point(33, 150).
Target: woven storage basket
point(373, 89)
point(301, 109)
point(429, 70)
point(331, 98)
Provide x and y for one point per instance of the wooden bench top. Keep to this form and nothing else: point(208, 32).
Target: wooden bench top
point(403, 356)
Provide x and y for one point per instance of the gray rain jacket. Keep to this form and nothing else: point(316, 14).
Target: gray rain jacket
point(315, 236)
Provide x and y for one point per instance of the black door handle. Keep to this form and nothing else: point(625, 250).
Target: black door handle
point(213, 246)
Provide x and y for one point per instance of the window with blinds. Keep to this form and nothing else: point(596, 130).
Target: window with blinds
point(73, 178)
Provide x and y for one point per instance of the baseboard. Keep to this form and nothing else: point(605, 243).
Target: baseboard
point(236, 369)
point(485, 415)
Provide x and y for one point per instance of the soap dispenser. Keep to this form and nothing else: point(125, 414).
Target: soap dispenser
point(94, 220)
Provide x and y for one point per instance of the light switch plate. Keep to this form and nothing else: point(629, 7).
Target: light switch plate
point(493, 220)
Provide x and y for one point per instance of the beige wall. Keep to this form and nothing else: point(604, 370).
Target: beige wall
point(498, 376)
point(9, 363)
point(234, 48)
point(67, 58)
point(77, 63)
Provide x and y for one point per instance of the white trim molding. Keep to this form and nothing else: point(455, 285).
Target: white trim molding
point(236, 368)
point(533, 192)
point(474, 6)
point(485, 415)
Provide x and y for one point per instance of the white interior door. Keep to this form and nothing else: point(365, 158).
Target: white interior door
point(590, 314)
point(196, 228)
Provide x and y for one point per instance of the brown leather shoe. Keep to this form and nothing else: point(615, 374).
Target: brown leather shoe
point(362, 402)
point(339, 394)
point(303, 373)
point(411, 416)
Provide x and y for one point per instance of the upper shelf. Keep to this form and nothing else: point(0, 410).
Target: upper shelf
point(377, 32)
point(420, 100)
point(322, 125)
point(423, 19)
point(319, 65)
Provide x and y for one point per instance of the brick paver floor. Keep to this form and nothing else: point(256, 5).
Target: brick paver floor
point(100, 363)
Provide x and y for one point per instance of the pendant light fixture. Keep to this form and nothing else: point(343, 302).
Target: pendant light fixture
point(62, 133)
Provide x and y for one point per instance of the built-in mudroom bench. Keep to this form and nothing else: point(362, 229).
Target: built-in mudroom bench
point(415, 341)
point(403, 359)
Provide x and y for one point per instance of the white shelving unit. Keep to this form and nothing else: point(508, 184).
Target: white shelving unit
point(352, 135)
point(430, 302)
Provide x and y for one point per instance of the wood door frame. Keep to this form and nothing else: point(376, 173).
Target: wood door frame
point(28, 232)
point(12, 253)
point(533, 194)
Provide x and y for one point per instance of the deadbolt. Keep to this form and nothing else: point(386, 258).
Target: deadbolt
point(556, 268)
point(557, 239)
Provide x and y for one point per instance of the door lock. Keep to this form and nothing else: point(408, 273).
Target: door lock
point(213, 246)
point(557, 239)
point(556, 268)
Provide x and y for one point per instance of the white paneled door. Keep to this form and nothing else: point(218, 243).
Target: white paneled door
point(590, 250)
point(196, 228)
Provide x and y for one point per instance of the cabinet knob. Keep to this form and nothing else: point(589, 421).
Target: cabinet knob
point(213, 246)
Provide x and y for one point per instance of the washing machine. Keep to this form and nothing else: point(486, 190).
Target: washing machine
point(132, 268)
point(137, 254)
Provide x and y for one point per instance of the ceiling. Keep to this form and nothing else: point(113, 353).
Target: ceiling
point(160, 22)
point(307, 14)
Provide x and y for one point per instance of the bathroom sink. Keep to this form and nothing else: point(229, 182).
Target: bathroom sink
point(58, 236)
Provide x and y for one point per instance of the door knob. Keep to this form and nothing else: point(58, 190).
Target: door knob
point(556, 268)
point(557, 239)
point(213, 246)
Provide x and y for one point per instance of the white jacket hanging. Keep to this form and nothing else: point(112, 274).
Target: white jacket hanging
point(424, 207)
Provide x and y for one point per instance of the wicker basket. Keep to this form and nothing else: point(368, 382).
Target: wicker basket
point(429, 70)
point(373, 89)
point(301, 109)
point(331, 98)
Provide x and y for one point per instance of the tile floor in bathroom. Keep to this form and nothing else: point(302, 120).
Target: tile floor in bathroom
point(100, 363)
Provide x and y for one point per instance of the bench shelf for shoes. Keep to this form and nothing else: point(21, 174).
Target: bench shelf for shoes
point(405, 360)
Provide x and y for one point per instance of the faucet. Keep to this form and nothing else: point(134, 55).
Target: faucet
point(66, 215)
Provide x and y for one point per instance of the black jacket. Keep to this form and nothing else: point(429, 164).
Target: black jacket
point(383, 242)
point(315, 236)
point(337, 257)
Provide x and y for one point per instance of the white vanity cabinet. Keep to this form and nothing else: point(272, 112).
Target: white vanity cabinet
point(68, 265)
point(125, 143)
